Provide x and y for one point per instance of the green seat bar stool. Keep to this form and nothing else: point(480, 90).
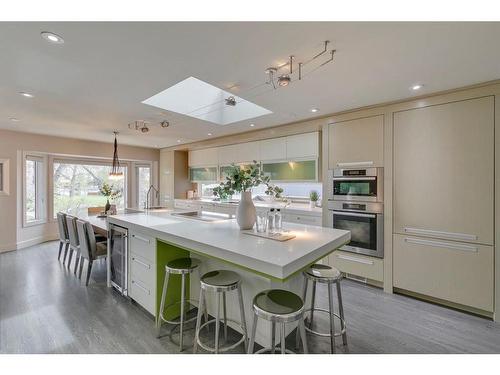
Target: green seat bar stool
point(183, 267)
point(278, 306)
point(220, 282)
point(321, 273)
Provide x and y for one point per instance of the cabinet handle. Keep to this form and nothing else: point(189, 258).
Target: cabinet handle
point(141, 287)
point(446, 245)
point(141, 263)
point(357, 260)
point(354, 163)
point(436, 233)
point(141, 238)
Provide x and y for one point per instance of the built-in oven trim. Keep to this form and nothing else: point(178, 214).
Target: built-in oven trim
point(371, 174)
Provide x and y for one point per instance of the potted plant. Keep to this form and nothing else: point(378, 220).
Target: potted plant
point(313, 198)
point(109, 192)
point(242, 179)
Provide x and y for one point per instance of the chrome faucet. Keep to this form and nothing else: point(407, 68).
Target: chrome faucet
point(146, 204)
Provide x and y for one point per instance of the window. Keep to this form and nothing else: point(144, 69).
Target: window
point(143, 178)
point(4, 176)
point(34, 189)
point(77, 186)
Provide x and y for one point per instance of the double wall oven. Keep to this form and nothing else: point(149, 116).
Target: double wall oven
point(355, 203)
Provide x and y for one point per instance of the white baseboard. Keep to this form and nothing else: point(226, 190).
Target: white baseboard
point(35, 241)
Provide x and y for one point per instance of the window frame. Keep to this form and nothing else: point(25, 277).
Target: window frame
point(83, 161)
point(41, 190)
point(135, 190)
point(5, 183)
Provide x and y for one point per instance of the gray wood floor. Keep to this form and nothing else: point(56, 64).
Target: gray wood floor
point(45, 309)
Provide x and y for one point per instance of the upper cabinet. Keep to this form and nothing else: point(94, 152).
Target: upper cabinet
point(239, 153)
point(300, 146)
point(356, 143)
point(206, 157)
point(444, 171)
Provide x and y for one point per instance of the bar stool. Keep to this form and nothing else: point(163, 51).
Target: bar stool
point(220, 282)
point(320, 273)
point(183, 267)
point(278, 306)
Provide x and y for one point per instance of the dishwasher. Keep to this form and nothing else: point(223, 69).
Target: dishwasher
point(118, 258)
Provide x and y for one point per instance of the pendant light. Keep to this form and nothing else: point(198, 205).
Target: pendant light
point(115, 170)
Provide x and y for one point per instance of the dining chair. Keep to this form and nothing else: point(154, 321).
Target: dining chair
point(94, 210)
point(74, 243)
point(63, 235)
point(89, 248)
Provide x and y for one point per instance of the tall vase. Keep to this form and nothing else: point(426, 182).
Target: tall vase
point(107, 206)
point(246, 213)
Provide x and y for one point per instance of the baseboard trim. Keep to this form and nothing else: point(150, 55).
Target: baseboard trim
point(35, 241)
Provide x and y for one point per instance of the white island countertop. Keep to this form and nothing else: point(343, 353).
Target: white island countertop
point(224, 240)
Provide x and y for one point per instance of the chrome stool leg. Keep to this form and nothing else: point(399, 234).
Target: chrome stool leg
point(252, 336)
point(341, 313)
point(242, 317)
point(332, 319)
point(304, 293)
point(198, 319)
point(225, 315)
point(273, 337)
point(282, 338)
point(183, 302)
point(217, 323)
point(160, 318)
point(313, 302)
point(302, 330)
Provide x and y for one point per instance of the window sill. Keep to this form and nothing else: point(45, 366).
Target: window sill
point(34, 223)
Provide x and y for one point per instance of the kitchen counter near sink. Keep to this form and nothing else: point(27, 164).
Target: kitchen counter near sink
point(155, 238)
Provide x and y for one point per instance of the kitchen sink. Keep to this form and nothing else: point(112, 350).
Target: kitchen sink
point(203, 216)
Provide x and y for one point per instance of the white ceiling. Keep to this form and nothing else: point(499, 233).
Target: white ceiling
point(95, 82)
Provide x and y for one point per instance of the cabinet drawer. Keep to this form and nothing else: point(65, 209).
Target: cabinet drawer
point(142, 270)
point(453, 271)
point(142, 294)
point(142, 245)
point(303, 219)
point(359, 265)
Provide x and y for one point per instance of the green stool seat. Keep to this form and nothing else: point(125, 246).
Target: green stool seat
point(220, 279)
point(278, 301)
point(323, 273)
point(182, 265)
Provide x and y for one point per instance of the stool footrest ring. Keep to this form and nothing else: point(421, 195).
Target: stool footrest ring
point(221, 348)
point(277, 350)
point(189, 301)
point(322, 334)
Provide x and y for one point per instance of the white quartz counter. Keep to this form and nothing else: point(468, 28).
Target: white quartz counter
point(223, 240)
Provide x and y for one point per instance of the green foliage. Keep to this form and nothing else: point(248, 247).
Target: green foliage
point(109, 191)
point(313, 196)
point(241, 178)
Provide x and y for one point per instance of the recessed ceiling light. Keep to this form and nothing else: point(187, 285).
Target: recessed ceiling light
point(52, 38)
point(417, 86)
point(14, 119)
point(26, 94)
point(209, 134)
point(252, 125)
point(314, 110)
point(178, 141)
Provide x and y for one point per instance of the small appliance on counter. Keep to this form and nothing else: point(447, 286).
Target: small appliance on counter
point(355, 203)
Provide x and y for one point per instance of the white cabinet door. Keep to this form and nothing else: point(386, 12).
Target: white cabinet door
point(206, 157)
point(443, 171)
point(239, 153)
point(302, 146)
point(356, 143)
point(273, 149)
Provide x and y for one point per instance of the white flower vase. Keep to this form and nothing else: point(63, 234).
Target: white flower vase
point(312, 204)
point(246, 213)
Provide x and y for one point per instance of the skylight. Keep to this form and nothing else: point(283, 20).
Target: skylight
point(195, 98)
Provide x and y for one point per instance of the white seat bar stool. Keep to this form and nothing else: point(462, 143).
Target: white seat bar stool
point(74, 242)
point(279, 307)
point(220, 282)
point(90, 250)
point(321, 273)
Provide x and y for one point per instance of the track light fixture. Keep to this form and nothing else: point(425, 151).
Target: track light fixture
point(144, 126)
point(231, 101)
point(285, 79)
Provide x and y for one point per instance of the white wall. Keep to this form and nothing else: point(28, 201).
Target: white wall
point(12, 145)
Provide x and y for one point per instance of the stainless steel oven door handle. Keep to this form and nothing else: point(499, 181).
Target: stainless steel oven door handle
point(355, 214)
point(363, 178)
point(354, 163)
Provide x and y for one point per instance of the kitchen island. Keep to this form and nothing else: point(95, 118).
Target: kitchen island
point(154, 238)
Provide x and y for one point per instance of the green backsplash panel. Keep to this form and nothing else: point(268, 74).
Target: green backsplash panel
point(291, 171)
point(224, 170)
point(165, 253)
point(203, 174)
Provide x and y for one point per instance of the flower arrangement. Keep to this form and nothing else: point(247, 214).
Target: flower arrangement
point(109, 191)
point(243, 178)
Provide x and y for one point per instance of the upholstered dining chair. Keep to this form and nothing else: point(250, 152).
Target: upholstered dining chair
point(74, 243)
point(89, 248)
point(63, 235)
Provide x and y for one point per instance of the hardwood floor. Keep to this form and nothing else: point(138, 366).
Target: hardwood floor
point(45, 309)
